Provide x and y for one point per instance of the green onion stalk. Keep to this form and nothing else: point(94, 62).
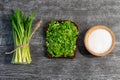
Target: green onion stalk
point(21, 26)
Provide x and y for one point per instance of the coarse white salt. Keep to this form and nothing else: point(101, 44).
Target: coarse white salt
point(100, 41)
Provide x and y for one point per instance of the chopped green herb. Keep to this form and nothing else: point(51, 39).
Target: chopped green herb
point(61, 38)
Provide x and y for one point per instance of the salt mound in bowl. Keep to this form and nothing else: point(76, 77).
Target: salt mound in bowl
point(99, 40)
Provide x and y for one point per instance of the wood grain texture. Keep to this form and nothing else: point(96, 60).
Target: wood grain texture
point(85, 13)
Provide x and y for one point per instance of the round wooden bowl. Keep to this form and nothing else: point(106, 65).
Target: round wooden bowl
point(88, 33)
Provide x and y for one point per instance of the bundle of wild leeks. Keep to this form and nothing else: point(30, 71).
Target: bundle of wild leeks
point(21, 26)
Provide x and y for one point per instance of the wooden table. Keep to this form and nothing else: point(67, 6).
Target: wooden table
point(85, 13)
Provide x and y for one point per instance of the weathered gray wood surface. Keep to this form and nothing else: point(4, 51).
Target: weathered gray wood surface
point(85, 13)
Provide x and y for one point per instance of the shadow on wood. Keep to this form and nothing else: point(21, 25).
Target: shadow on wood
point(81, 46)
point(44, 29)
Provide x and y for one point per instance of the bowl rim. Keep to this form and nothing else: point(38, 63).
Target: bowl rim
point(95, 28)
